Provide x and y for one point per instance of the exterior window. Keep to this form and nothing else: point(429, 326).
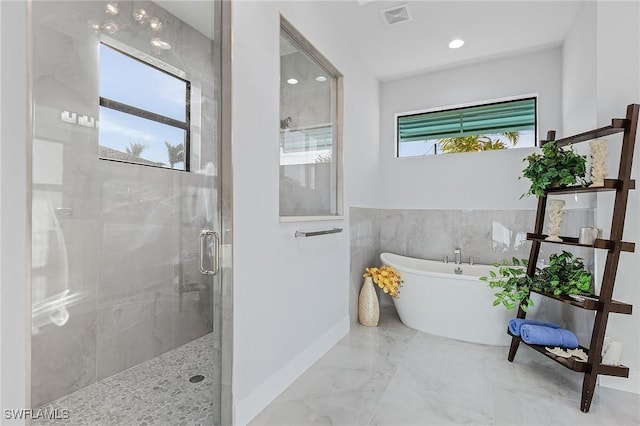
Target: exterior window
point(310, 133)
point(480, 127)
point(144, 112)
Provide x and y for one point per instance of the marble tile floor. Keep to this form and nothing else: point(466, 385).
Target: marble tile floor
point(157, 392)
point(394, 375)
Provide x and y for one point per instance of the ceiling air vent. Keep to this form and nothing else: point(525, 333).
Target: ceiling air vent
point(396, 14)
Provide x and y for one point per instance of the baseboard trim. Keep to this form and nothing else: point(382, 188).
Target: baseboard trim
point(630, 384)
point(251, 405)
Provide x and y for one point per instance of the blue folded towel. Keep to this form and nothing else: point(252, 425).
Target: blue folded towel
point(516, 323)
point(547, 336)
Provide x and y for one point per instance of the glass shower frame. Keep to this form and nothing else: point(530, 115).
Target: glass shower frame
point(51, 212)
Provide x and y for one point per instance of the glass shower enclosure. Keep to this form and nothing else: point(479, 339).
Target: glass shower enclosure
point(126, 203)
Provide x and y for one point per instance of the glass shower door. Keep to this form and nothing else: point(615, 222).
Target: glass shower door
point(126, 209)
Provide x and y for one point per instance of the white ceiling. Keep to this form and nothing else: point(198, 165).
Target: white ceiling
point(490, 29)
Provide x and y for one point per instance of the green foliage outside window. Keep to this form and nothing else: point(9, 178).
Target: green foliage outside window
point(135, 149)
point(175, 153)
point(475, 143)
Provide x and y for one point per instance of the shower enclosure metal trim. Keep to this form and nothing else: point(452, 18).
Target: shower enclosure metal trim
point(224, 14)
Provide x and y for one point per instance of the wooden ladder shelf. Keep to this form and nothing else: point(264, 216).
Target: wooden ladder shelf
point(603, 304)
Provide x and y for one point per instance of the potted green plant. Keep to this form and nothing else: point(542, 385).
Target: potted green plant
point(554, 166)
point(565, 275)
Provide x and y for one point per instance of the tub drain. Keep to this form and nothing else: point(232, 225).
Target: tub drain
point(197, 378)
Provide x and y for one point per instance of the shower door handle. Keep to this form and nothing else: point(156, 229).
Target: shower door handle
point(216, 252)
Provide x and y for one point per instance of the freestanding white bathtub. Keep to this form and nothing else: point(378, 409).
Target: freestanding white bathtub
point(436, 300)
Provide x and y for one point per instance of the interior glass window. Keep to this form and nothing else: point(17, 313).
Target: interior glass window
point(309, 130)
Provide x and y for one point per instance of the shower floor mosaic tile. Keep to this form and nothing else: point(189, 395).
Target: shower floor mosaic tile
point(393, 375)
point(157, 392)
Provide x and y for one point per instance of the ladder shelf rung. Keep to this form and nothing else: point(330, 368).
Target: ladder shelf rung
point(617, 126)
point(579, 366)
point(573, 241)
point(609, 185)
point(591, 303)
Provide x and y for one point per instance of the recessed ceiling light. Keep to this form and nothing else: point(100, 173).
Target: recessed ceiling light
point(321, 78)
point(292, 81)
point(456, 43)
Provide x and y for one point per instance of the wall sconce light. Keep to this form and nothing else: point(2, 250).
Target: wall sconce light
point(140, 16)
point(155, 24)
point(110, 27)
point(156, 42)
point(112, 8)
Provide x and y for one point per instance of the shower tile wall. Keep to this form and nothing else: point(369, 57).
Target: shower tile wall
point(487, 235)
point(115, 243)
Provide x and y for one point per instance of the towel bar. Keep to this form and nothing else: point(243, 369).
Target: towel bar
point(315, 233)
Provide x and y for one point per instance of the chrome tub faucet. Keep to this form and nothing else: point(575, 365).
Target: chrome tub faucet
point(458, 256)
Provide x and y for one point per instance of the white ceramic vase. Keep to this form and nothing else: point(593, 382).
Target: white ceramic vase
point(368, 306)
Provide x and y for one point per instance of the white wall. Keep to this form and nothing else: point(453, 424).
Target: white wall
point(618, 84)
point(290, 294)
point(476, 179)
point(14, 330)
point(601, 61)
point(0, 213)
point(579, 60)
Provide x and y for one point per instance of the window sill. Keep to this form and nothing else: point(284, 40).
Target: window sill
point(286, 219)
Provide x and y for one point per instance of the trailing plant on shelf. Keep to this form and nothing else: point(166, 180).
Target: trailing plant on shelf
point(565, 274)
point(554, 166)
point(513, 282)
